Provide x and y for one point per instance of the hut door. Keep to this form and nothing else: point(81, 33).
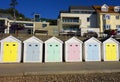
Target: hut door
point(111, 51)
point(53, 53)
point(89, 52)
point(29, 52)
point(14, 51)
point(76, 51)
point(50, 52)
point(33, 51)
point(6, 52)
point(73, 51)
point(36, 52)
point(10, 51)
point(93, 52)
point(56, 52)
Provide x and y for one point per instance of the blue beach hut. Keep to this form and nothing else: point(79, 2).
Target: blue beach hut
point(33, 50)
point(92, 49)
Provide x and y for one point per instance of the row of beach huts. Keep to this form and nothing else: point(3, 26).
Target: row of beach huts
point(34, 50)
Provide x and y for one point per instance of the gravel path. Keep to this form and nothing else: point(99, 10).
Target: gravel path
point(88, 77)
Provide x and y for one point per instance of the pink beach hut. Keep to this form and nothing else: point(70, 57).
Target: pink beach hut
point(73, 50)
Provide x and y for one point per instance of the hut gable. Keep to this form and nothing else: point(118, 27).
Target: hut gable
point(33, 39)
point(9, 39)
point(93, 40)
point(54, 39)
point(111, 40)
point(73, 39)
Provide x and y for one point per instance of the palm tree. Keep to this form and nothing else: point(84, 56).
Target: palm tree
point(13, 4)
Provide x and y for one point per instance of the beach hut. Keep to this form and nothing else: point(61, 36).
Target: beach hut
point(73, 50)
point(10, 50)
point(33, 50)
point(53, 50)
point(92, 49)
point(110, 50)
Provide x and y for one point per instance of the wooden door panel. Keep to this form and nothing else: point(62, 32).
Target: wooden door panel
point(6, 52)
point(111, 51)
point(36, 52)
point(14, 51)
point(29, 52)
point(57, 53)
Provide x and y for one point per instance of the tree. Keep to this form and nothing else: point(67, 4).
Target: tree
point(2, 28)
point(110, 32)
point(16, 27)
point(13, 4)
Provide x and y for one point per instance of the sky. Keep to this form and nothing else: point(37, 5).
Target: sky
point(51, 8)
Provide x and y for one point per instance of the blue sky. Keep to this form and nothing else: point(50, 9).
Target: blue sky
point(51, 8)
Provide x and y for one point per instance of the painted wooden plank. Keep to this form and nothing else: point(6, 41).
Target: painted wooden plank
point(73, 51)
point(10, 52)
point(111, 51)
point(56, 52)
point(36, 52)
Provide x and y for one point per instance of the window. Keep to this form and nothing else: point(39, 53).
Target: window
point(28, 24)
point(70, 45)
point(108, 45)
point(113, 45)
point(95, 45)
point(104, 8)
point(44, 25)
point(107, 16)
point(117, 26)
point(56, 45)
point(107, 27)
point(36, 45)
point(70, 19)
point(76, 45)
point(117, 8)
point(117, 17)
point(88, 19)
point(90, 45)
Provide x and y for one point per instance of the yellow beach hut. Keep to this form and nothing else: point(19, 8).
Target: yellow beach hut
point(10, 50)
point(110, 50)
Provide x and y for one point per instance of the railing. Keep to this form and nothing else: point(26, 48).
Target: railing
point(71, 22)
point(70, 33)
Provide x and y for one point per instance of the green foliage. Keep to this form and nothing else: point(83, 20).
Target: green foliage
point(19, 16)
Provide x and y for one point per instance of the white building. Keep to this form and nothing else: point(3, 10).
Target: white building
point(78, 19)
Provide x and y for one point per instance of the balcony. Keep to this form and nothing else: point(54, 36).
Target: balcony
point(71, 21)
